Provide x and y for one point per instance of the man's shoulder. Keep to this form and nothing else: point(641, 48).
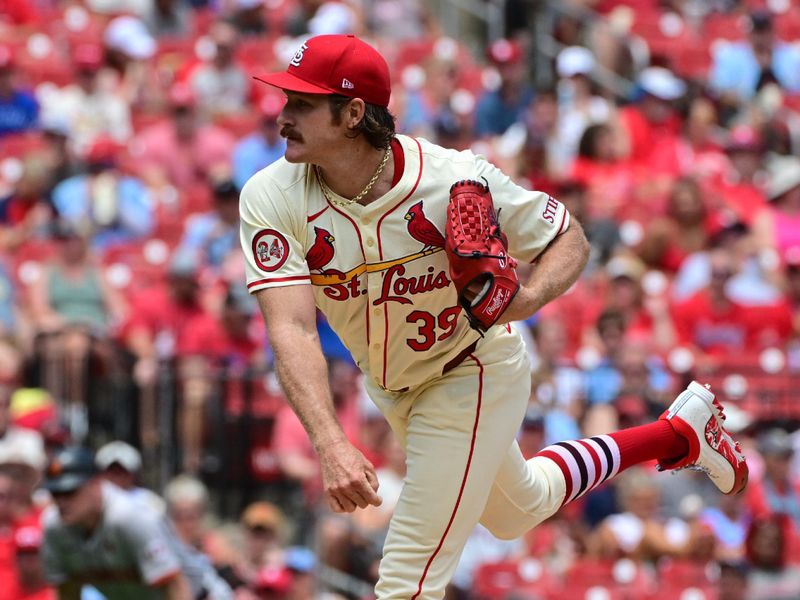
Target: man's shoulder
point(124, 511)
point(431, 151)
point(279, 176)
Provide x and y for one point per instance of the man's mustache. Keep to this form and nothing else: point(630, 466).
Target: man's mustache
point(289, 134)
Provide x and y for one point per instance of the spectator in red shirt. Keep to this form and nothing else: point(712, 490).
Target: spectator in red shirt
point(182, 151)
point(652, 122)
point(650, 130)
point(717, 326)
point(609, 180)
point(709, 321)
point(792, 286)
point(25, 213)
point(740, 188)
point(682, 230)
point(170, 323)
point(646, 313)
point(7, 570)
point(697, 152)
point(30, 571)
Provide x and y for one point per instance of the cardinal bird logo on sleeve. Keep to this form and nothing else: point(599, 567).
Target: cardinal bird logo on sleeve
point(322, 252)
point(421, 229)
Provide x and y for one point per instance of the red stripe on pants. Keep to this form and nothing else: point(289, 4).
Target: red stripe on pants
point(463, 479)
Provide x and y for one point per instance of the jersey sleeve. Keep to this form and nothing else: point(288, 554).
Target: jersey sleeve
point(153, 550)
point(530, 219)
point(272, 236)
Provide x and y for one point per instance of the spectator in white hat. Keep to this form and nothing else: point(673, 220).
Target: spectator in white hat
point(579, 106)
point(129, 48)
point(121, 464)
point(22, 457)
point(88, 107)
point(651, 126)
point(776, 227)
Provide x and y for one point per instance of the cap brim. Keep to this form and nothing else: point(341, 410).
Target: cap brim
point(287, 81)
point(65, 483)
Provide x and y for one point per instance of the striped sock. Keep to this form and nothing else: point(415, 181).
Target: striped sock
point(587, 463)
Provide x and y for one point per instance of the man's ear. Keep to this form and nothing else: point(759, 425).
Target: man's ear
point(354, 112)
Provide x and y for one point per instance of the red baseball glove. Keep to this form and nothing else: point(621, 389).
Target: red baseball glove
point(480, 267)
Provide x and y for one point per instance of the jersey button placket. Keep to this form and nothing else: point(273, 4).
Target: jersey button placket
point(377, 322)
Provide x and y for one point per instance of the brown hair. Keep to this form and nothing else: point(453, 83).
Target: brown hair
point(377, 126)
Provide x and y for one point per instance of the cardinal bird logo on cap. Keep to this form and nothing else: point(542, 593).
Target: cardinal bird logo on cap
point(421, 229)
point(322, 252)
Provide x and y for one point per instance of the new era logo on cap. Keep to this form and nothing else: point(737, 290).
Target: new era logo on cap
point(336, 64)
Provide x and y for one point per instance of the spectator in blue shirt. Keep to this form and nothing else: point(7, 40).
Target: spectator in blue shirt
point(215, 234)
point(261, 148)
point(741, 69)
point(606, 382)
point(111, 207)
point(498, 109)
point(19, 110)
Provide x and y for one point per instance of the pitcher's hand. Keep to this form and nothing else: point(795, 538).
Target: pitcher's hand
point(348, 478)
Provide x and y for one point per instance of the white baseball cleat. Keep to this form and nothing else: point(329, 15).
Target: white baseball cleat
point(697, 415)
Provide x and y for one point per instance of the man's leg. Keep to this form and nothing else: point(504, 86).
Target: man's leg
point(688, 435)
point(454, 432)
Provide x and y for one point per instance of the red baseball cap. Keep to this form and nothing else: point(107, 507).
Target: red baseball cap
point(336, 64)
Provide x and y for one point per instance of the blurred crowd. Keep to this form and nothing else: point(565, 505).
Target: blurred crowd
point(669, 128)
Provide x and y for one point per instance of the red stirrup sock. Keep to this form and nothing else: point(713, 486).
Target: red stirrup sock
point(587, 463)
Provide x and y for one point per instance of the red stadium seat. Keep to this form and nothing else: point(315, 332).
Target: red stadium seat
point(787, 25)
point(525, 578)
point(240, 124)
point(20, 144)
point(620, 579)
point(684, 573)
point(693, 61)
point(256, 54)
point(725, 26)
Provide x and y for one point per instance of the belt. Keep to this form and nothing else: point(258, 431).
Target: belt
point(459, 358)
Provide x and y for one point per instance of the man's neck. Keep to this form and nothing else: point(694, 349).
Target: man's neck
point(351, 170)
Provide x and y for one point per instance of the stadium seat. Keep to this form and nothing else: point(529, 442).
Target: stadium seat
point(525, 578)
point(685, 580)
point(240, 124)
point(589, 578)
point(693, 61)
point(256, 54)
point(725, 27)
point(17, 145)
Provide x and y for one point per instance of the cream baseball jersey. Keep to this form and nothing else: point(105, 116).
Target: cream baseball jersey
point(379, 272)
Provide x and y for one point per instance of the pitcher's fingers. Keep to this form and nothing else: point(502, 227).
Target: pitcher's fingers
point(345, 502)
point(356, 496)
point(372, 479)
point(334, 504)
point(368, 489)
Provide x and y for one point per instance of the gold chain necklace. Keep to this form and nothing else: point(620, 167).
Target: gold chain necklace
point(326, 191)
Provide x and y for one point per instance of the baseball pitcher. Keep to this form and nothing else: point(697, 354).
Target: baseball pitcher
point(410, 251)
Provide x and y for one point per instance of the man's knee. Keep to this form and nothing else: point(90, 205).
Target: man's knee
point(505, 531)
